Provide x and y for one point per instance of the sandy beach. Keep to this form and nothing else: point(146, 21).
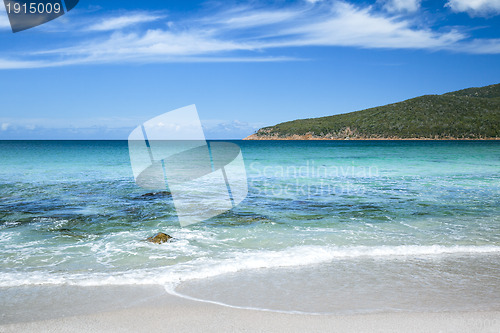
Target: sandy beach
point(158, 311)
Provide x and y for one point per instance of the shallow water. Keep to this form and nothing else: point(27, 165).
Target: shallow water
point(333, 218)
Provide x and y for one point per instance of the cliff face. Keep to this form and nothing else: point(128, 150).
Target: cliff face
point(472, 113)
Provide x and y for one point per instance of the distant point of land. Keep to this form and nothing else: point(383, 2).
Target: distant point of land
point(468, 114)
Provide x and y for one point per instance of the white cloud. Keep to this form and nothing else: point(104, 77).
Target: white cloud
point(343, 25)
point(402, 5)
point(7, 64)
point(120, 22)
point(16, 64)
point(249, 18)
point(360, 27)
point(221, 37)
point(475, 7)
point(482, 46)
point(151, 46)
point(5, 126)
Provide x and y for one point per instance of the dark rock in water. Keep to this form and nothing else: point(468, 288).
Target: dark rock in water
point(156, 194)
point(70, 233)
point(159, 238)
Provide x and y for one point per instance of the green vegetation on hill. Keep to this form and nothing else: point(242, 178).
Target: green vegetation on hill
point(492, 91)
point(472, 113)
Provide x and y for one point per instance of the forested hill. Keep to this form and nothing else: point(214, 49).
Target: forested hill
point(472, 113)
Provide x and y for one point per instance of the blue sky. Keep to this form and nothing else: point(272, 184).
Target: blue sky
point(108, 66)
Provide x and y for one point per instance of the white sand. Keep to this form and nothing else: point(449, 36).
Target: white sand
point(179, 315)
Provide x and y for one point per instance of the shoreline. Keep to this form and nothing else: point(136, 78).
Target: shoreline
point(201, 305)
point(255, 137)
point(161, 311)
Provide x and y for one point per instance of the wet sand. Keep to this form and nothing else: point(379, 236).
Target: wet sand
point(155, 310)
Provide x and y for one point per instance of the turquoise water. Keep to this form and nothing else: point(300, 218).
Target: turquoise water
point(349, 211)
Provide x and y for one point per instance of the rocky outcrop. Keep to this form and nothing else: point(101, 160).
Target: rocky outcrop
point(159, 238)
point(156, 194)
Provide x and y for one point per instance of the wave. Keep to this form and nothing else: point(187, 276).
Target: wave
point(204, 267)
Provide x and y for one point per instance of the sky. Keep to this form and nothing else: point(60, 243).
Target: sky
point(106, 67)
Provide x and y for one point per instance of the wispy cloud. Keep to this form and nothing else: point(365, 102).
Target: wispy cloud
point(17, 64)
point(251, 33)
point(482, 46)
point(152, 43)
point(246, 17)
point(349, 25)
point(123, 21)
point(402, 5)
point(475, 7)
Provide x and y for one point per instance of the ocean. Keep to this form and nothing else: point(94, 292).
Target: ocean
point(327, 226)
